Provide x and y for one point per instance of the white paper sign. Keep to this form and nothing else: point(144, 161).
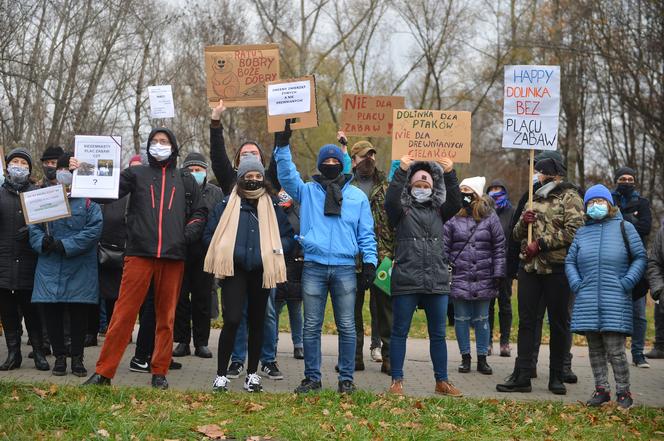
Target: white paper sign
point(45, 204)
point(532, 104)
point(161, 102)
point(98, 174)
point(287, 98)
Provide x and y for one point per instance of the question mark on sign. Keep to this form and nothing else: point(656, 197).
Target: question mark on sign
point(95, 181)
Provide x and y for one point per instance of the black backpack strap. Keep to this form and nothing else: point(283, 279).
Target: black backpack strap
point(188, 191)
point(626, 240)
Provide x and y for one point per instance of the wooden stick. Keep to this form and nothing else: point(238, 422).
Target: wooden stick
point(530, 191)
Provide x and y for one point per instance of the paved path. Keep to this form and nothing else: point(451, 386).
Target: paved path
point(197, 373)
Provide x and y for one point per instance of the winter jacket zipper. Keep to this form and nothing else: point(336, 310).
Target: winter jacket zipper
point(161, 211)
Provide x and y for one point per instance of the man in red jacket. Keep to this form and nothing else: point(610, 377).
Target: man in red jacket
point(165, 214)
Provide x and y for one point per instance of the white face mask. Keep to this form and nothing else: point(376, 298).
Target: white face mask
point(160, 152)
point(421, 194)
point(535, 178)
point(18, 174)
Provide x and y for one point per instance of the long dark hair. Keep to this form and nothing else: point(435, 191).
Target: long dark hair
point(480, 207)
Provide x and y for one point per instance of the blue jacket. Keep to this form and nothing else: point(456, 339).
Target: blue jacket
point(602, 277)
point(71, 278)
point(247, 253)
point(329, 240)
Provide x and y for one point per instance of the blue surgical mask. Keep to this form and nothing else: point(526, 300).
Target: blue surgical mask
point(421, 194)
point(535, 178)
point(64, 177)
point(597, 211)
point(199, 176)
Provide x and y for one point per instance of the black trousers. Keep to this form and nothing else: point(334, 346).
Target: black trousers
point(93, 320)
point(383, 321)
point(195, 310)
point(147, 327)
point(243, 286)
point(504, 312)
point(55, 322)
point(659, 325)
point(13, 304)
point(554, 290)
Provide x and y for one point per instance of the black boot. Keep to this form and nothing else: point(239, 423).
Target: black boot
point(482, 366)
point(77, 367)
point(556, 384)
point(519, 381)
point(37, 353)
point(568, 376)
point(60, 366)
point(97, 380)
point(14, 358)
point(464, 367)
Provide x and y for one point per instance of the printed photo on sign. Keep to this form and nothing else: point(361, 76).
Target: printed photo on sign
point(531, 107)
point(98, 175)
point(45, 204)
point(431, 135)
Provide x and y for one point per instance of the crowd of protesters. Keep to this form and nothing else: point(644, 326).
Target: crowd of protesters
point(268, 239)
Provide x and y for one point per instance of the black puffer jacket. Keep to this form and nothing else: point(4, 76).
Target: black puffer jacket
point(166, 211)
point(17, 258)
point(420, 264)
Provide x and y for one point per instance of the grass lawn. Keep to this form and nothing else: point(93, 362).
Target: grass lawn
point(51, 412)
point(419, 325)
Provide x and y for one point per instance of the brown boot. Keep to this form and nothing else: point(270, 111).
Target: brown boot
point(447, 388)
point(396, 387)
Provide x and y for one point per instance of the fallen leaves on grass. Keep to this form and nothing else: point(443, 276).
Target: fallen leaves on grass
point(103, 433)
point(212, 431)
point(253, 407)
point(45, 393)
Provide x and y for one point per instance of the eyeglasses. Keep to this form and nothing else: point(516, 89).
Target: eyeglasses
point(626, 180)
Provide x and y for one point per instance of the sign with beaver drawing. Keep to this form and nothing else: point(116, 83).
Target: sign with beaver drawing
point(237, 74)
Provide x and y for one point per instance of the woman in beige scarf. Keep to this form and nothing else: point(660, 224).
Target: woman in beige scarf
point(248, 235)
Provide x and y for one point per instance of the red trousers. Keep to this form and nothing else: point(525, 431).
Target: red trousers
point(136, 277)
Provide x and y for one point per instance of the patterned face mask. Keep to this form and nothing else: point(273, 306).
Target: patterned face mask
point(421, 194)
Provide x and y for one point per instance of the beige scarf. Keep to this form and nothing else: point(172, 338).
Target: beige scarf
point(219, 259)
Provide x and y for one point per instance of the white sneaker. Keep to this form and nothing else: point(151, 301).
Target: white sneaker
point(252, 383)
point(376, 355)
point(220, 384)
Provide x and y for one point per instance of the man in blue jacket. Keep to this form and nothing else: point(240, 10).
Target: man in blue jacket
point(335, 226)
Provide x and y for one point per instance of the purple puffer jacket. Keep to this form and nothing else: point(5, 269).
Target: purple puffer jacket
point(481, 262)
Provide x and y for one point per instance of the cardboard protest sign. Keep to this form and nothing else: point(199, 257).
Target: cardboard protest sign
point(237, 74)
point(98, 174)
point(291, 99)
point(365, 115)
point(161, 102)
point(431, 135)
point(45, 204)
point(532, 104)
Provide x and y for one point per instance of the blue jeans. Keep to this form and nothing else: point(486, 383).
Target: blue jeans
point(295, 319)
point(341, 283)
point(640, 324)
point(435, 308)
point(269, 350)
point(477, 312)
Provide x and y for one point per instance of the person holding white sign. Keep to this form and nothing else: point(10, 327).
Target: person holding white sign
point(165, 214)
point(66, 277)
point(17, 265)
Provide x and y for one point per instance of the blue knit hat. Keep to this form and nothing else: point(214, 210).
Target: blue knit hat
point(598, 191)
point(330, 151)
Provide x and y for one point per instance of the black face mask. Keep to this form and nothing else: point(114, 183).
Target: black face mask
point(251, 185)
point(50, 174)
point(466, 199)
point(330, 171)
point(366, 168)
point(625, 189)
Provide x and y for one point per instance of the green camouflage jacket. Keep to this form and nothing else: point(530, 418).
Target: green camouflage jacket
point(384, 233)
point(559, 214)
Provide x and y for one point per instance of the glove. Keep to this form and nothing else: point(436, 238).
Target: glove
point(57, 247)
point(529, 217)
point(47, 243)
point(656, 295)
point(343, 141)
point(532, 249)
point(367, 276)
point(283, 138)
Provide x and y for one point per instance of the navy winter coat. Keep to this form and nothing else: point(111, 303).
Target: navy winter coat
point(602, 277)
point(247, 254)
point(71, 278)
point(479, 264)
